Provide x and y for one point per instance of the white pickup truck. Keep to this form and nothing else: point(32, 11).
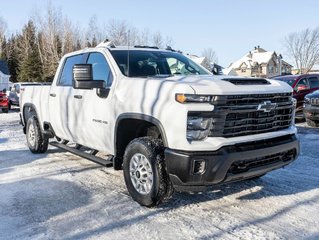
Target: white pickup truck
point(166, 121)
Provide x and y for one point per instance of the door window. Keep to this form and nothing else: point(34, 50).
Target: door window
point(100, 67)
point(313, 82)
point(67, 72)
point(303, 82)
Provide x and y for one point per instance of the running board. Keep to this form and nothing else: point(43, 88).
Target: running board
point(104, 162)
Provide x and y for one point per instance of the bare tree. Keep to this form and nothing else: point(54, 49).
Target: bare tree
point(169, 41)
point(117, 31)
point(145, 37)
point(94, 34)
point(157, 40)
point(210, 55)
point(303, 48)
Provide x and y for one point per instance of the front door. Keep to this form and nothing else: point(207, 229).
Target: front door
point(61, 98)
point(90, 116)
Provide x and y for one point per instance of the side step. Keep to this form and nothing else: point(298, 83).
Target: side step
point(104, 162)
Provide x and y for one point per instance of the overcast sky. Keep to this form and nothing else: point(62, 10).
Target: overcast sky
point(230, 27)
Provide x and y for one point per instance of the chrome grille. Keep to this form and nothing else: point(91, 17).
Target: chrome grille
point(314, 101)
point(238, 115)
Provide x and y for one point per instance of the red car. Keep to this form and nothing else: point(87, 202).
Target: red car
point(302, 85)
point(4, 102)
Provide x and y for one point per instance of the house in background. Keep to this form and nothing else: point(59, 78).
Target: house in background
point(203, 61)
point(260, 63)
point(4, 75)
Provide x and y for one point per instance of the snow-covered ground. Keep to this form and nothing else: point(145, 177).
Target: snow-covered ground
point(58, 195)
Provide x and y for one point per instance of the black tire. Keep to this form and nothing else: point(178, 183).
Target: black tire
point(5, 110)
point(162, 187)
point(311, 123)
point(39, 144)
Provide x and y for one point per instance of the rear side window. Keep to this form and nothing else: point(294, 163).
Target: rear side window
point(100, 67)
point(313, 82)
point(67, 75)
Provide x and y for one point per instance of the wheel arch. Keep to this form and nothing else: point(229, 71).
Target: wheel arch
point(122, 137)
point(28, 110)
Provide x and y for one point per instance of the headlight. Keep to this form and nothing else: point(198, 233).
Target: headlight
point(198, 127)
point(198, 123)
point(193, 98)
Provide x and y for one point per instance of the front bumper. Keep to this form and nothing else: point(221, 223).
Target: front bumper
point(311, 112)
point(230, 163)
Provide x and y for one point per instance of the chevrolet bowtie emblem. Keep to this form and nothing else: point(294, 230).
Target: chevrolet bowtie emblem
point(267, 106)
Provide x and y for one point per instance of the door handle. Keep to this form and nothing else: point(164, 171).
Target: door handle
point(78, 96)
point(52, 95)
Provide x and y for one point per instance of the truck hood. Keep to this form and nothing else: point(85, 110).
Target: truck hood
point(226, 85)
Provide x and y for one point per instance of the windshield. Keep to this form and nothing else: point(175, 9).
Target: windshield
point(289, 80)
point(155, 63)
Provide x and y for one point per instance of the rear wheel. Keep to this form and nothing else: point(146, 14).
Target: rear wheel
point(144, 172)
point(35, 140)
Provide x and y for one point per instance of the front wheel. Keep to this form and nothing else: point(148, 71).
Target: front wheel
point(35, 140)
point(144, 172)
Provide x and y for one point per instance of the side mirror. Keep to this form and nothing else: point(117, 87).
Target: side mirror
point(83, 77)
point(301, 87)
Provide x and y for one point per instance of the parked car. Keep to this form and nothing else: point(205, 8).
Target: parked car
point(18, 88)
point(302, 85)
point(4, 102)
point(163, 119)
point(311, 109)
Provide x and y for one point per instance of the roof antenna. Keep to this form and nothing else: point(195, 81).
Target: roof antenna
point(128, 53)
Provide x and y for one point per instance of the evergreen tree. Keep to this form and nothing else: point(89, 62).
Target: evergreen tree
point(12, 58)
point(30, 66)
point(3, 49)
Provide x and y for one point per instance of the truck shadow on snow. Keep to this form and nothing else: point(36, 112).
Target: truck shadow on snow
point(14, 158)
point(10, 159)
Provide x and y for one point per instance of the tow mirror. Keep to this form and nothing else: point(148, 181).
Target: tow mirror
point(83, 77)
point(301, 87)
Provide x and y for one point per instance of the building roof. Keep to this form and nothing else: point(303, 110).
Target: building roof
point(284, 62)
point(4, 67)
point(259, 56)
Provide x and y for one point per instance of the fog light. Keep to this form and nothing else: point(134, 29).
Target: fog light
point(199, 166)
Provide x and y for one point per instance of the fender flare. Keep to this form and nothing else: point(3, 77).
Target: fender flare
point(23, 117)
point(144, 117)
